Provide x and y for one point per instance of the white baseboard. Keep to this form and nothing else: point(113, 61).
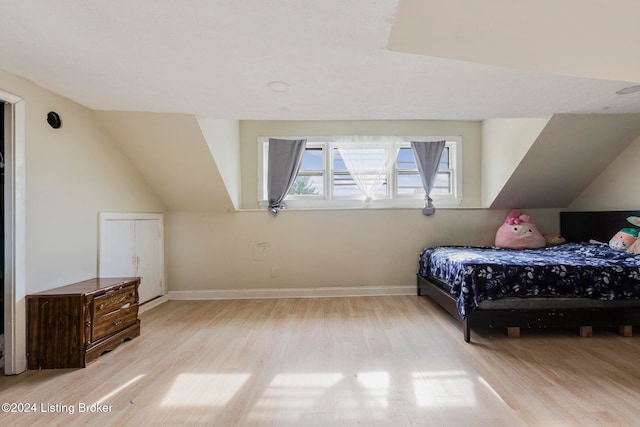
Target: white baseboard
point(152, 303)
point(324, 292)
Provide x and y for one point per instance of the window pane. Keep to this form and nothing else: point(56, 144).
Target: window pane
point(370, 165)
point(308, 185)
point(442, 184)
point(406, 159)
point(312, 159)
point(338, 163)
point(410, 184)
point(344, 185)
point(444, 159)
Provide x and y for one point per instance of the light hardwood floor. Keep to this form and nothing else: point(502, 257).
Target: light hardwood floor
point(375, 361)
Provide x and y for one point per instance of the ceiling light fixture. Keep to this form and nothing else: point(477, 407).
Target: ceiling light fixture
point(628, 90)
point(278, 86)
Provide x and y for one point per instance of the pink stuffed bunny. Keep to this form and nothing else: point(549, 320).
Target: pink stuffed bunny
point(519, 232)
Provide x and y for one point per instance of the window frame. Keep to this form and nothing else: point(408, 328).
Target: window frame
point(393, 200)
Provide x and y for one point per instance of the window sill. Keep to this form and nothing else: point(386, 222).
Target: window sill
point(361, 205)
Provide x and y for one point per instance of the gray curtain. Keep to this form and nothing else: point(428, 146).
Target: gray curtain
point(427, 155)
point(284, 160)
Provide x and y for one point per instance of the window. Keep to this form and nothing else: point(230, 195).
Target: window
point(324, 180)
point(409, 183)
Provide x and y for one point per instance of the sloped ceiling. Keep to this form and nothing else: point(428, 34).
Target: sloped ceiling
point(585, 38)
point(570, 152)
point(171, 153)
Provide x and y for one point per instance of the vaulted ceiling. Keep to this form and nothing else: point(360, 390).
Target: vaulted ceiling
point(356, 59)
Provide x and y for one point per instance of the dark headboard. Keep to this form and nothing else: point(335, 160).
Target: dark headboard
point(597, 225)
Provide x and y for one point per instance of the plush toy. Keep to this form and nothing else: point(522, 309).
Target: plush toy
point(635, 247)
point(625, 238)
point(519, 232)
point(554, 240)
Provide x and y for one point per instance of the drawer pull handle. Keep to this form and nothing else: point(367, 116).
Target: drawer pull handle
point(117, 322)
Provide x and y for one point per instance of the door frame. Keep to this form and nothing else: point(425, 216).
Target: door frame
point(127, 216)
point(15, 319)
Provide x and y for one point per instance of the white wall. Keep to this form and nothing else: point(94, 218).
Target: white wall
point(72, 173)
point(313, 249)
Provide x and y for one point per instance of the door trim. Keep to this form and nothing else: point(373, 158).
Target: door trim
point(15, 319)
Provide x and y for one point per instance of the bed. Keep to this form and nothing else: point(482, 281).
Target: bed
point(578, 284)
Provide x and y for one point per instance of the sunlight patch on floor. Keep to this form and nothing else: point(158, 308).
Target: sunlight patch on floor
point(204, 389)
point(291, 394)
point(304, 387)
point(490, 389)
point(377, 384)
point(443, 389)
point(117, 390)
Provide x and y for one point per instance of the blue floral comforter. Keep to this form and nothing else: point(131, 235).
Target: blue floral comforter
point(573, 269)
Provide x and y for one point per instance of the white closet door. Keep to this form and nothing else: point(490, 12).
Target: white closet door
point(117, 249)
point(148, 236)
point(131, 244)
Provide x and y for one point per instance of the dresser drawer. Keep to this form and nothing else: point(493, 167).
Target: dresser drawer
point(113, 322)
point(111, 301)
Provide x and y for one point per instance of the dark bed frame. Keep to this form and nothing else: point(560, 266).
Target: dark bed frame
point(583, 313)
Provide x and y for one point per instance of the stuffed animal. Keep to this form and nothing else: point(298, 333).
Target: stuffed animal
point(519, 232)
point(635, 247)
point(625, 238)
point(554, 240)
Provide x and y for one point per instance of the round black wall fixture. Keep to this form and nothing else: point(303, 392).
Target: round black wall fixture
point(54, 119)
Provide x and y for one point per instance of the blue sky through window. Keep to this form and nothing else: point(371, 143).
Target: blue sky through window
point(312, 159)
point(405, 159)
